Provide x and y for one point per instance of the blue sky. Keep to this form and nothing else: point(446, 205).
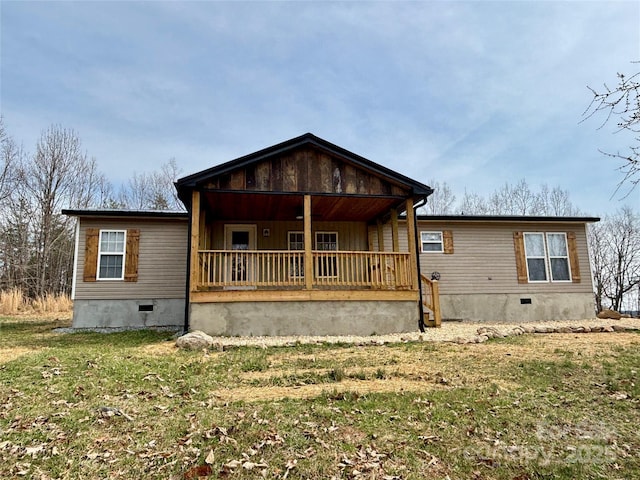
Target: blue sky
point(474, 94)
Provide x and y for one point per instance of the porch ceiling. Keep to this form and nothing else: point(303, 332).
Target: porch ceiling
point(263, 206)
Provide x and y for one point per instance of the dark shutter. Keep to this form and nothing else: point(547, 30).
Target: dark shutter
point(521, 260)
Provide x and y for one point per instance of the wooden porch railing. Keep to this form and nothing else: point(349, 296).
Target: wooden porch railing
point(431, 301)
point(285, 268)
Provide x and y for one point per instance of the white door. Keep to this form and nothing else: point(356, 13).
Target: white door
point(239, 239)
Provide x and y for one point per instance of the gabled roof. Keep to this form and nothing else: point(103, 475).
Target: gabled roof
point(308, 139)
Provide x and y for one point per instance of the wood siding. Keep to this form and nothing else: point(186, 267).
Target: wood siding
point(306, 170)
point(162, 260)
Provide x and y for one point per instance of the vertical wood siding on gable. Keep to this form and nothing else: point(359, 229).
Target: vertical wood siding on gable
point(306, 170)
point(162, 261)
point(484, 260)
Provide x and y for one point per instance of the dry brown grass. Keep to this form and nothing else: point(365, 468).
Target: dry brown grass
point(14, 302)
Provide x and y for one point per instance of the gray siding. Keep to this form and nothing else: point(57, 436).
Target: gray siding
point(162, 261)
point(484, 261)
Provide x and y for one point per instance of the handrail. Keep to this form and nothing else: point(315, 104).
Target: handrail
point(431, 299)
point(285, 268)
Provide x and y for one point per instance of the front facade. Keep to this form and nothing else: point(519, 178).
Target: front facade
point(306, 238)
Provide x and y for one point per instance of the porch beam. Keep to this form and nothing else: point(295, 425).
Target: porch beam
point(411, 239)
point(394, 230)
point(308, 245)
point(195, 239)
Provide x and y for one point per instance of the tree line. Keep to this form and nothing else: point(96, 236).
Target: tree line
point(37, 241)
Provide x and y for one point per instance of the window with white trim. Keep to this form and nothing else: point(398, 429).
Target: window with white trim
point(327, 264)
point(547, 255)
point(431, 242)
point(558, 257)
point(296, 262)
point(111, 251)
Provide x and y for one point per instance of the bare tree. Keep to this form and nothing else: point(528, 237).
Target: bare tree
point(519, 199)
point(152, 190)
point(11, 155)
point(441, 201)
point(621, 102)
point(472, 204)
point(615, 253)
point(554, 202)
point(59, 175)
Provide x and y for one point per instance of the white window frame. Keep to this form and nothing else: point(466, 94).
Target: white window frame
point(123, 254)
point(547, 257)
point(296, 264)
point(431, 242)
point(335, 263)
point(565, 257)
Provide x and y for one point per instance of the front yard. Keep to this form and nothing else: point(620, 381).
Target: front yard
point(129, 405)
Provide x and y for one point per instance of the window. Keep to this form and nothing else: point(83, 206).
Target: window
point(327, 264)
point(111, 252)
point(296, 262)
point(547, 255)
point(558, 257)
point(536, 257)
point(431, 241)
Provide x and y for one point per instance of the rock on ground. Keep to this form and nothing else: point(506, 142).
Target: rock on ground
point(195, 340)
point(612, 314)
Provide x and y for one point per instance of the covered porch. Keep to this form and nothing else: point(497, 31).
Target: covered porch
point(308, 260)
point(292, 240)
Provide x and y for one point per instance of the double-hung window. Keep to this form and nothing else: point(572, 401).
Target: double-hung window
point(547, 256)
point(327, 264)
point(111, 252)
point(558, 257)
point(431, 241)
point(296, 263)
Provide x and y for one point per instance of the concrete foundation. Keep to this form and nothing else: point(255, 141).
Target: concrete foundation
point(517, 307)
point(304, 318)
point(128, 313)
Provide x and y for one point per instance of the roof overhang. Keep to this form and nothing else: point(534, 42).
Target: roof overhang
point(506, 218)
point(116, 213)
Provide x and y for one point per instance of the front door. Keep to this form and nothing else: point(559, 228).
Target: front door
point(239, 239)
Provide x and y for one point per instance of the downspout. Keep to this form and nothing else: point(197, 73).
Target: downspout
point(417, 246)
point(188, 279)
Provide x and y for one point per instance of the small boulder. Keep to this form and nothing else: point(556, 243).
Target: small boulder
point(609, 314)
point(195, 340)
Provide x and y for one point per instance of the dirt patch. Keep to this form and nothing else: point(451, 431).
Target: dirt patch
point(416, 369)
point(11, 353)
point(361, 387)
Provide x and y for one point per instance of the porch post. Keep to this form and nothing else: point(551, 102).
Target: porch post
point(394, 230)
point(308, 242)
point(411, 238)
point(195, 240)
point(380, 226)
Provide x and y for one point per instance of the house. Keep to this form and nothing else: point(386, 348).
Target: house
point(305, 237)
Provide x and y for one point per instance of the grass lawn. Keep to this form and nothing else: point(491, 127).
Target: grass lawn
point(129, 405)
